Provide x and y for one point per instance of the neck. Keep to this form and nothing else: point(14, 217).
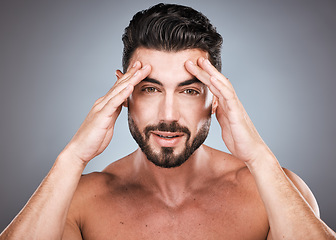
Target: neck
point(173, 185)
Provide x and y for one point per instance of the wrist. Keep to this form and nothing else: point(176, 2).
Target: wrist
point(264, 160)
point(70, 160)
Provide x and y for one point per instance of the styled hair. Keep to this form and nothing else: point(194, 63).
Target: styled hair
point(171, 27)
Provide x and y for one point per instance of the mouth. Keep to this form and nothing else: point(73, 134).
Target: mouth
point(167, 139)
point(168, 135)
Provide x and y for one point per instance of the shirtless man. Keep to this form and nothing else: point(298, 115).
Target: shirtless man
point(173, 186)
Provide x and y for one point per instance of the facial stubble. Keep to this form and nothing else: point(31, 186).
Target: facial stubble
point(166, 158)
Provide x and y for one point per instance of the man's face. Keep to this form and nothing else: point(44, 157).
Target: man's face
point(169, 111)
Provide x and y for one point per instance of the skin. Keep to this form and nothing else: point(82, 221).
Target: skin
point(213, 195)
point(201, 199)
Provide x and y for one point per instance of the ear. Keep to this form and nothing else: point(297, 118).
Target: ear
point(118, 74)
point(214, 104)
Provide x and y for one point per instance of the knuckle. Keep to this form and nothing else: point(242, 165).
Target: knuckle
point(99, 100)
point(97, 106)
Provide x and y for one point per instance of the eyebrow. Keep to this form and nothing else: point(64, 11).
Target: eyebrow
point(184, 83)
point(189, 82)
point(151, 80)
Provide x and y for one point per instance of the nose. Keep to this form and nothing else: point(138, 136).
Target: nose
point(169, 109)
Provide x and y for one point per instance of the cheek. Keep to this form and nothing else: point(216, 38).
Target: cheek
point(199, 107)
point(141, 110)
point(195, 115)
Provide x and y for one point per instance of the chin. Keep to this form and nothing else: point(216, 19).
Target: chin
point(167, 159)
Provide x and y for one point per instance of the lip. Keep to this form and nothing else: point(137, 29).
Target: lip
point(167, 139)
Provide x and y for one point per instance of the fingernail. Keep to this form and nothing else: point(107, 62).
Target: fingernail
point(134, 65)
point(136, 73)
point(191, 62)
point(144, 67)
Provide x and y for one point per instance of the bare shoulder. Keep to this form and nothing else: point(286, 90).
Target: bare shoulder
point(242, 175)
point(231, 171)
point(113, 175)
point(228, 165)
point(303, 189)
point(89, 188)
point(234, 184)
point(94, 192)
point(97, 185)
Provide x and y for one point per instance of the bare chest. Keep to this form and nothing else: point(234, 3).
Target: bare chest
point(231, 215)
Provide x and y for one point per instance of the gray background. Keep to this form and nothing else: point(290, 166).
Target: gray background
point(58, 57)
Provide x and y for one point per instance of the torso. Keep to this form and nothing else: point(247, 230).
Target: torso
point(111, 205)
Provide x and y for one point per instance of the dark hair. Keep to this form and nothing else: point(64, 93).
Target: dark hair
point(171, 27)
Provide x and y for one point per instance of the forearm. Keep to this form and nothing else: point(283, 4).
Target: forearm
point(290, 215)
point(44, 215)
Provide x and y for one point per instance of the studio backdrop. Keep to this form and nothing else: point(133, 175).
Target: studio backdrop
point(58, 57)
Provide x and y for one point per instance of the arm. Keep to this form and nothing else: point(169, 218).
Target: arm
point(303, 189)
point(44, 216)
point(290, 214)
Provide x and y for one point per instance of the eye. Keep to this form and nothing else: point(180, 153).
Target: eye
point(191, 92)
point(149, 90)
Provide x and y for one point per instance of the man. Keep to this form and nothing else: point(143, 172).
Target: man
point(173, 186)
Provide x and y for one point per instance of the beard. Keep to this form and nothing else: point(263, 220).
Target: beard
point(166, 158)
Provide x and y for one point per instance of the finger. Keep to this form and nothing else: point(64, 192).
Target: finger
point(111, 107)
point(206, 65)
point(119, 75)
point(224, 91)
point(218, 80)
point(133, 80)
point(229, 104)
point(130, 71)
point(133, 75)
point(123, 77)
point(201, 75)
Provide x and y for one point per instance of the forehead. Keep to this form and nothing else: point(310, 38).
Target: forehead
point(167, 66)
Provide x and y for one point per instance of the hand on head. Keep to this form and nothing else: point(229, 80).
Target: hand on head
point(96, 132)
point(238, 131)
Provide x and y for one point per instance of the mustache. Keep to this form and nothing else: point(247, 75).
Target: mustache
point(167, 127)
